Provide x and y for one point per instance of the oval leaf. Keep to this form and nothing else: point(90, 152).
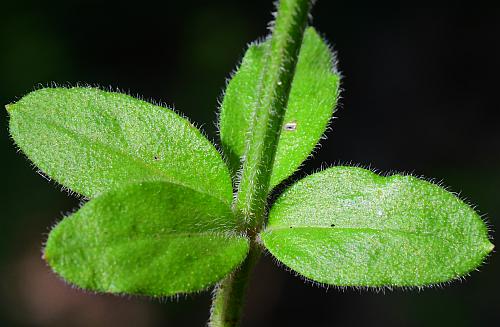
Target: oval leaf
point(351, 227)
point(91, 141)
point(151, 238)
point(312, 99)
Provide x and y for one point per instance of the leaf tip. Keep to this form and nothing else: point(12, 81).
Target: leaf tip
point(489, 246)
point(9, 107)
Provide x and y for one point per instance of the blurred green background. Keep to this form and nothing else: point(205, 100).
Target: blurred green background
point(420, 95)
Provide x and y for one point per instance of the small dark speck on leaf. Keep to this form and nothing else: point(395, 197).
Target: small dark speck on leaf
point(332, 225)
point(291, 126)
point(156, 158)
point(291, 227)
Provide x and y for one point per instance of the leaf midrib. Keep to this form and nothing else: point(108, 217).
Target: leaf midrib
point(118, 242)
point(357, 229)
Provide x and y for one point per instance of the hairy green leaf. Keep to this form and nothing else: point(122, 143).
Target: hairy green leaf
point(349, 226)
point(152, 238)
point(311, 103)
point(91, 141)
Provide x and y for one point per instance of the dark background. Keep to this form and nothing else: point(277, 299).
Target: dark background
point(421, 95)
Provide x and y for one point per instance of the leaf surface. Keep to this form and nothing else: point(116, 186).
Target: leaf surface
point(92, 141)
point(312, 99)
point(348, 226)
point(152, 238)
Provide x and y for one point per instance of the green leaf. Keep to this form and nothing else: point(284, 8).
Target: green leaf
point(91, 141)
point(313, 97)
point(348, 226)
point(152, 238)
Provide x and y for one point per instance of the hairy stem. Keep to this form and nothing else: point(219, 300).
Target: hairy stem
point(229, 295)
point(269, 109)
point(261, 143)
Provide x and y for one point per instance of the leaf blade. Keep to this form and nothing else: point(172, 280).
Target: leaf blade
point(350, 227)
point(91, 141)
point(312, 100)
point(152, 238)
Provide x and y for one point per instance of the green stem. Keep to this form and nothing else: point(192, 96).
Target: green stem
point(229, 295)
point(274, 88)
point(262, 141)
